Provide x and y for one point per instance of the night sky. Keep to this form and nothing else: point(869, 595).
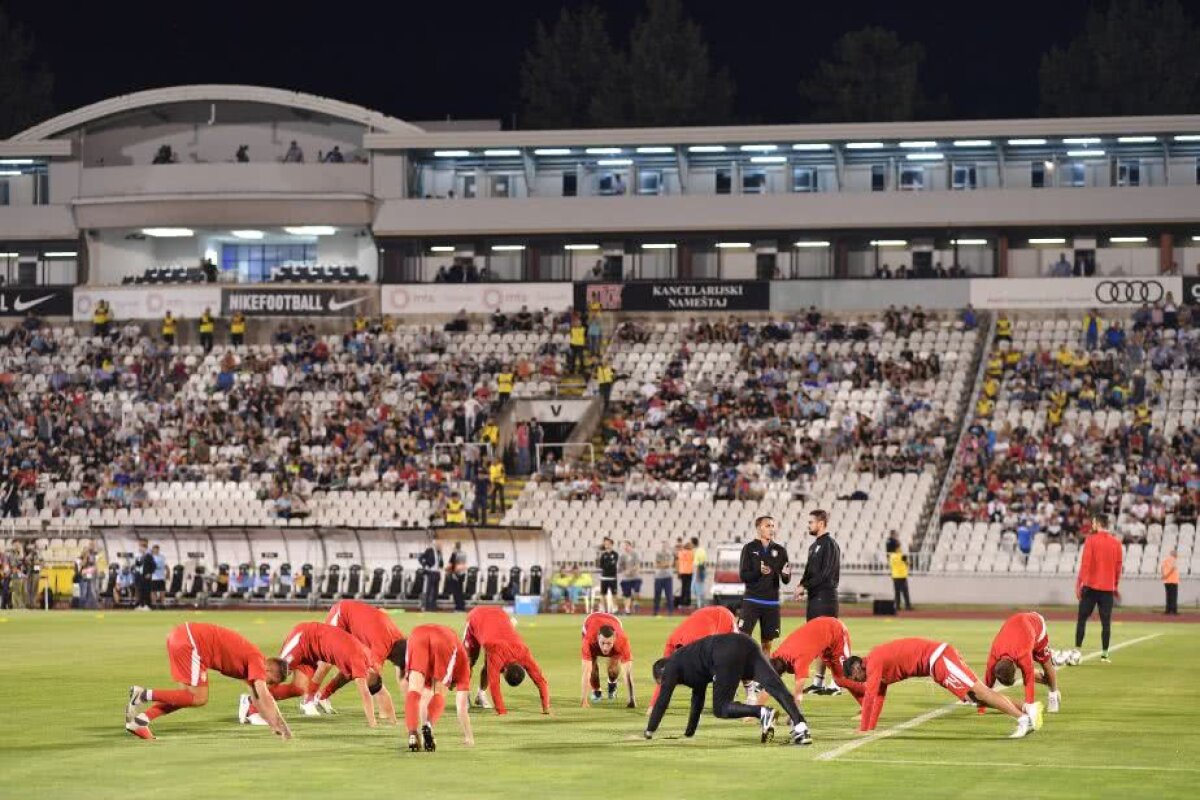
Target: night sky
point(428, 60)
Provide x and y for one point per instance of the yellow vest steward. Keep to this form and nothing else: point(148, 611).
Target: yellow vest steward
point(496, 473)
point(604, 374)
point(504, 382)
point(206, 323)
point(898, 565)
point(99, 316)
point(578, 336)
point(490, 434)
point(168, 326)
point(455, 512)
point(238, 325)
point(1004, 327)
point(360, 324)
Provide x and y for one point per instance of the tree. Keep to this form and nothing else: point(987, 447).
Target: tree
point(872, 77)
point(671, 80)
point(1134, 57)
point(570, 72)
point(25, 86)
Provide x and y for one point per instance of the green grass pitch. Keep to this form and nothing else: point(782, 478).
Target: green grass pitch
point(1126, 730)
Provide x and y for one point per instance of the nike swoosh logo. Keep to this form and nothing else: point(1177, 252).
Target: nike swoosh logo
point(338, 305)
point(21, 305)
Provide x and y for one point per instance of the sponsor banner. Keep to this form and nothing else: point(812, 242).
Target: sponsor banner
point(1191, 291)
point(42, 301)
point(266, 301)
point(146, 302)
point(677, 295)
point(474, 298)
point(1073, 292)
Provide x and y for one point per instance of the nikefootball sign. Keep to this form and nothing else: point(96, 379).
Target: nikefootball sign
point(309, 302)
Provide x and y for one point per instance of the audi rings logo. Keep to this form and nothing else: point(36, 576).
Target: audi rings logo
point(1129, 291)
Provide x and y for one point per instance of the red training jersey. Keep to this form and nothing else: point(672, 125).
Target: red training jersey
point(370, 625)
point(1022, 638)
point(890, 663)
point(590, 650)
point(708, 621)
point(310, 643)
point(227, 652)
point(490, 629)
point(435, 652)
point(1100, 568)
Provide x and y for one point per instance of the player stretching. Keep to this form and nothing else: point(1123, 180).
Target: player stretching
point(374, 628)
point(434, 660)
point(725, 661)
point(1021, 641)
point(193, 649)
point(312, 643)
point(824, 638)
point(603, 637)
point(916, 658)
point(490, 629)
point(705, 622)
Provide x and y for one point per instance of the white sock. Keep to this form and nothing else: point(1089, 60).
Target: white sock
point(800, 727)
point(148, 695)
point(819, 680)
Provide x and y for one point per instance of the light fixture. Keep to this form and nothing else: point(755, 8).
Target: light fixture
point(659, 246)
point(248, 234)
point(972, 142)
point(603, 151)
point(442, 248)
point(924, 156)
point(10, 255)
point(810, 146)
point(502, 152)
point(504, 248)
point(581, 247)
point(16, 162)
point(9, 173)
point(1082, 140)
point(451, 153)
point(733, 245)
point(1085, 153)
point(1187, 137)
point(1196, 238)
point(61, 254)
point(918, 144)
point(767, 159)
point(1136, 139)
point(311, 230)
point(652, 150)
point(759, 148)
point(811, 243)
point(614, 162)
point(1048, 240)
point(1025, 142)
point(1128, 239)
point(889, 242)
point(864, 145)
point(552, 151)
point(168, 233)
point(718, 148)
point(968, 242)
point(1048, 165)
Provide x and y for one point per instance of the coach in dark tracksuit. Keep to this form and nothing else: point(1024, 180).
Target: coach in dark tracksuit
point(726, 661)
point(820, 581)
point(764, 563)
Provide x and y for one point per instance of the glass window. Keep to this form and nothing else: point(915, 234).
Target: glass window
point(255, 261)
point(804, 179)
point(570, 184)
point(501, 186)
point(878, 178)
point(725, 180)
point(964, 177)
point(1076, 174)
point(1129, 173)
point(3, 193)
point(468, 185)
point(611, 183)
point(912, 178)
point(1037, 175)
point(754, 181)
point(649, 182)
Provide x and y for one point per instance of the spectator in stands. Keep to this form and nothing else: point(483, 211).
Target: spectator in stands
point(164, 155)
point(664, 561)
point(334, 156)
point(294, 154)
point(595, 335)
point(243, 154)
point(1091, 329)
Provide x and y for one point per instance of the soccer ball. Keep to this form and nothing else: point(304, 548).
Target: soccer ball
point(1074, 658)
point(1060, 657)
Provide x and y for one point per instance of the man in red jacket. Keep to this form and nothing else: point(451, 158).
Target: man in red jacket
point(1099, 582)
point(490, 630)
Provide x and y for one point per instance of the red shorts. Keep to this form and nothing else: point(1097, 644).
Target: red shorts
point(946, 667)
point(437, 667)
point(186, 667)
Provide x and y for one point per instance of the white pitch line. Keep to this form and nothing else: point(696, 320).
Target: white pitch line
point(942, 711)
point(1090, 768)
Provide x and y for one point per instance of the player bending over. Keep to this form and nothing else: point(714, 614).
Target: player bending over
point(434, 660)
point(725, 661)
point(193, 649)
point(374, 628)
point(603, 637)
point(825, 639)
point(1022, 640)
point(490, 630)
point(916, 658)
point(704, 622)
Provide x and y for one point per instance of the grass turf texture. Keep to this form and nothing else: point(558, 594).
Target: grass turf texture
point(1127, 728)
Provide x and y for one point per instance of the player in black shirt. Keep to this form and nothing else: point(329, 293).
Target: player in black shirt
point(726, 661)
point(763, 565)
point(822, 574)
point(608, 576)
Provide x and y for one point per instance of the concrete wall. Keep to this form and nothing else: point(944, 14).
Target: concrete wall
point(222, 178)
point(1019, 590)
point(869, 294)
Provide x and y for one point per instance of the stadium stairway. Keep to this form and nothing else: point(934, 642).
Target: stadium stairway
point(572, 386)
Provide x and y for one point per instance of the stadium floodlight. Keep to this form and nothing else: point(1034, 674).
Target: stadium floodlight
point(659, 246)
point(1025, 142)
point(972, 142)
point(1128, 239)
point(501, 152)
point(451, 153)
point(504, 248)
point(864, 145)
point(552, 151)
point(1196, 238)
point(654, 150)
point(581, 247)
point(969, 242)
point(61, 254)
point(1082, 140)
point(248, 234)
point(1136, 139)
point(811, 146)
point(9, 173)
point(918, 144)
point(811, 243)
point(1187, 137)
point(710, 148)
point(16, 162)
point(603, 151)
point(311, 230)
point(10, 255)
point(168, 233)
point(733, 245)
point(1048, 240)
point(1085, 153)
point(767, 159)
point(759, 148)
point(924, 156)
point(442, 248)
point(614, 162)
point(889, 242)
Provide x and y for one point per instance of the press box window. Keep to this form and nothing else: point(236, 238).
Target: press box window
point(1037, 175)
point(649, 182)
point(964, 177)
point(612, 183)
point(570, 184)
point(1129, 173)
point(1076, 174)
point(754, 181)
point(725, 180)
point(912, 179)
point(804, 179)
point(878, 178)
